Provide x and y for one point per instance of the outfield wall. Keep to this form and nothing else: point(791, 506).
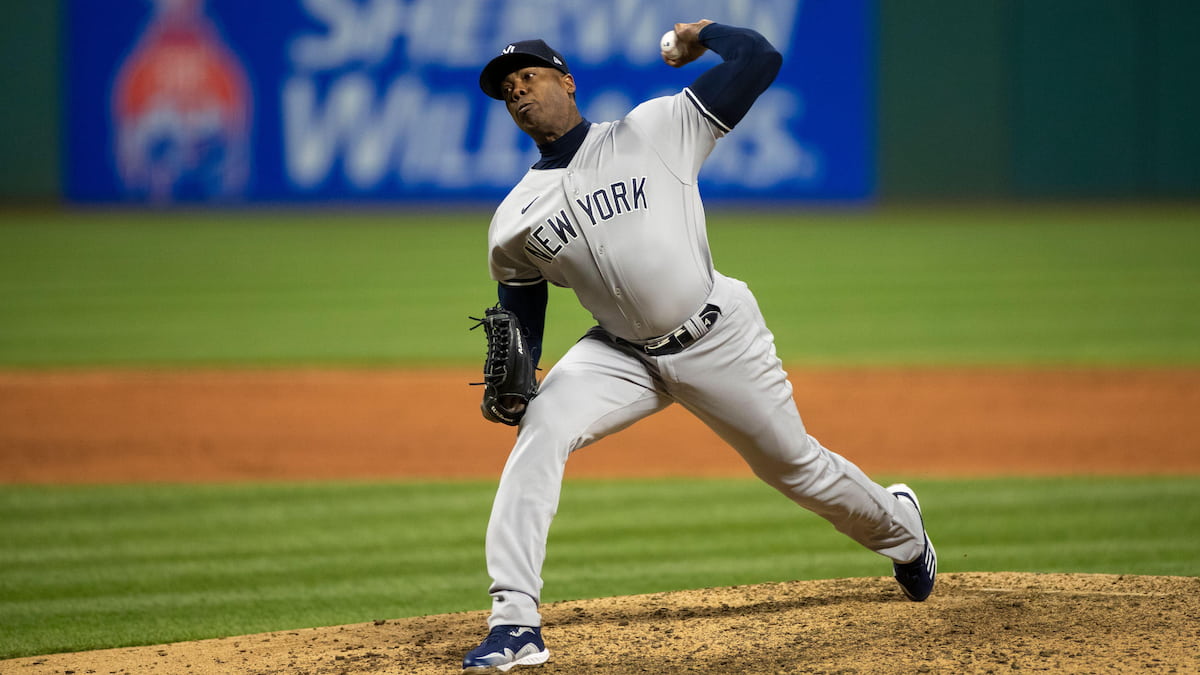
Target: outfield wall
point(1029, 98)
point(29, 129)
point(316, 101)
point(991, 98)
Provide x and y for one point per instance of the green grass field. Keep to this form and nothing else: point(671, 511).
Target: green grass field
point(89, 567)
point(890, 286)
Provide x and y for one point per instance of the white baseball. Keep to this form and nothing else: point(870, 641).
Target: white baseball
point(668, 45)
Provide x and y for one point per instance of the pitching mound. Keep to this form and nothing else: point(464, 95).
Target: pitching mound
point(974, 623)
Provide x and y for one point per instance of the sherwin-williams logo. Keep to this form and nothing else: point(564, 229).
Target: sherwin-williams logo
point(281, 100)
point(181, 111)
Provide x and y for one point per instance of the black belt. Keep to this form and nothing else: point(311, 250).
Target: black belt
point(679, 339)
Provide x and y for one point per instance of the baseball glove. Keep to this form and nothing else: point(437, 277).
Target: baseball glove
point(509, 379)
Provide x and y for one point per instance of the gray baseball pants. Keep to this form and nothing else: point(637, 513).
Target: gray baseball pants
point(733, 381)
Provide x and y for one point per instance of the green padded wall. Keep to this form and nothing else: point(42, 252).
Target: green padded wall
point(29, 78)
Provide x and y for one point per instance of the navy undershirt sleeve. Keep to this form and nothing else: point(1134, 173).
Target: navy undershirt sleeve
point(529, 304)
point(749, 66)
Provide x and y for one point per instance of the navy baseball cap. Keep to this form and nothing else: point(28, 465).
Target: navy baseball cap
point(516, 56)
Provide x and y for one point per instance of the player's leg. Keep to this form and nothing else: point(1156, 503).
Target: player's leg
point(734, 381)
point(595, 390)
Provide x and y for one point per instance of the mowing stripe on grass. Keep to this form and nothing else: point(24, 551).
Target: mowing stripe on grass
point(884, 286)
point(92, 567)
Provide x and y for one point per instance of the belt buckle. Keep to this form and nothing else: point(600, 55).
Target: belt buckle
point(658, 344)
point(680, 336)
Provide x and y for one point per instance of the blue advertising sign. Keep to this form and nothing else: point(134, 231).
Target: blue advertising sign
point(227, 101)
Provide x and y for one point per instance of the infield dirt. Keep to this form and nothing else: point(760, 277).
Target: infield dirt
point(275, 425)
point(99, 427)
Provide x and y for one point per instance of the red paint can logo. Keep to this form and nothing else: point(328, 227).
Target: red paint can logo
point(181, 111)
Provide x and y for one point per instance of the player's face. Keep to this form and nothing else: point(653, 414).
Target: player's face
point(539, 100)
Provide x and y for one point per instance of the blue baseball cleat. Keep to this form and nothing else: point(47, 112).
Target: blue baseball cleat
point(916, 577)
point(505, 648)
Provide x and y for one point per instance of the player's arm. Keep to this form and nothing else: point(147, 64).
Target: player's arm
point(528, 302)
point(749, 65)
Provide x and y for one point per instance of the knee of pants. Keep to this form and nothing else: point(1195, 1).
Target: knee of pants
point(544, 436)
point(566, 416)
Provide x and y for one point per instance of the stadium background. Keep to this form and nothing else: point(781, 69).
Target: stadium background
point(1028, 205)
point(993, 100)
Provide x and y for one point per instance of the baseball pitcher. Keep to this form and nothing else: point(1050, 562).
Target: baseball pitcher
point(612, 211)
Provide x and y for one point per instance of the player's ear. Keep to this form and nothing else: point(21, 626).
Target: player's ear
point(568, 81)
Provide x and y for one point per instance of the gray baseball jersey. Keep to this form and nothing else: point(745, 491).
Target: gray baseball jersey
point(623, 226)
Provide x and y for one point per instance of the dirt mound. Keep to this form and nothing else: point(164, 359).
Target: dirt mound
point(974, 623)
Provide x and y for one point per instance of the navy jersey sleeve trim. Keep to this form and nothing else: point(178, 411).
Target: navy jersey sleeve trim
point(532, 281)
point(708, 114)
point(749, 65)
point(529, 304)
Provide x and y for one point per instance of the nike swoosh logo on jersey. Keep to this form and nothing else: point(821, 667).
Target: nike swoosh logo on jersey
point(530, 204)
